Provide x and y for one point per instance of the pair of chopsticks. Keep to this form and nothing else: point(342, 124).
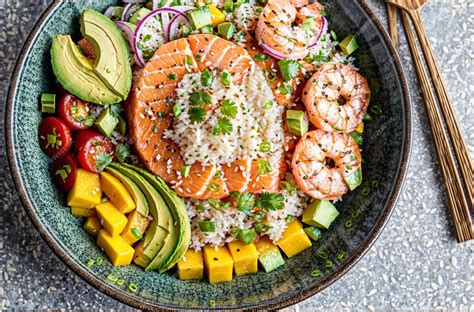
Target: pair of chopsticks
point(459, 187)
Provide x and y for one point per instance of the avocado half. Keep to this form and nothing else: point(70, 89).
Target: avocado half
point(108, 79)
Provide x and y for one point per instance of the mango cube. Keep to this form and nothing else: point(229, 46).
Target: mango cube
point(245, 257)
point(136, 223)
point(82, 212)
point(218, 263)
point(111, 218)
point(269, 255)
point(294, 240)
point(116, 192)
point(217, 16)
point(360, 128)
point(191, 266)
point(86, 192)
point(92, 225)
point(116, 248)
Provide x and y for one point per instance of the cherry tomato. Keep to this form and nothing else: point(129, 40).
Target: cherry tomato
point(94, 150)
point(55, 138)
point(64, 172)
point(75, 112)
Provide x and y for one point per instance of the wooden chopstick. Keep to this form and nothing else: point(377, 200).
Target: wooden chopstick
point(457, 201)
point(453, 125)
point(392, 23)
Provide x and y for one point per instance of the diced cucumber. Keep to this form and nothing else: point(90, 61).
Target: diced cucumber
point(320, 213)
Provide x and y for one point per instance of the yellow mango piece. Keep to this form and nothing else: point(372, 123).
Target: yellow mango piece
point(245, 257)
point(294, 240)
point(360, 128)
point(82, 212)
point(111, 218)
point(86, 192)
point(218, 263)
point(92, 225)
point(217, 16)
point(264, 245)
point(116, 248)
point(116, 192)
point(135, 221)
point(191, 266)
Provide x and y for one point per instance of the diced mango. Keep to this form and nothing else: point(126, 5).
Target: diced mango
point(245, 257)
point(218, 263)
point(86, 191)
point(111, 218)
point(117, 192)
point(360, 128)
point(294, 239)
point(82, 212)
point(116, 248)
point(269, 255)
point(191, 266)
point(217, 16)
point(92, 225)
point(139, 223)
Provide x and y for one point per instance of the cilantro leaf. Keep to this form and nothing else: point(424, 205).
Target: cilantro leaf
point(200, 98)
point(245, 201)
point(271, 201)
point(115, 109)
point(289, 69)
point(224, 126)
point(286, 89)
point(196, 114)
point(229, 108)
point(102, 160)
point(122, 151)
point(246, 236)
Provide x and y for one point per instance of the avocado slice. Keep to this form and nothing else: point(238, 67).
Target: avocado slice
point(181, 242)
point(349, 45)
point(320, 213)
point(76, 74)
point(200, 17)
point(354, 179)
point(161, 229)
point(226, 30)
point(297, 121)
point(112, 62)
point(132, 187)
point(106, 122)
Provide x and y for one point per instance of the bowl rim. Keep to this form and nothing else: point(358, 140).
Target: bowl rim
point(276, 303)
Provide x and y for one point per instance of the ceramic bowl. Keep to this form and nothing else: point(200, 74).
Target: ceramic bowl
point(362, 216)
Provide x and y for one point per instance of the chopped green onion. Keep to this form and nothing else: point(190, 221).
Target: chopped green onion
point(90, 262)
point(218, 174)
point(341, 255)
point(260, 57)
point(155, 129)
point(263, 167)
point(200, 208)
point(368, 117)
point(99, 260)
point(262, 227)
point(188, 60)
point(112, 278)
point(172, 76)
point(89, 121)
point(120, 282)
point(214, 187)
point(268, 105)
point(212, 303)
point(355, 215)
point(48, 103)
point(375, 184)
point(270, 75)
point(323, 255)
point(333, 34)
point(258, 216)
point(206, 78)
point(285, 185)
point(348, 224)
point(286, 89)
point(207, 226)
point(132, 287)
point(316, 273)
point(136, 233)
point(73, 109)
point(185, 170)
point(215, 203)
point(289, 219)
point(176, 110)
point(366, 191)
point(329, 263)
point(376, 110)
point(225, 79)
point(265, 146)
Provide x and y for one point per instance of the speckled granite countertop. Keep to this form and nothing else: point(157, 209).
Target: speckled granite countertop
point(416, 262)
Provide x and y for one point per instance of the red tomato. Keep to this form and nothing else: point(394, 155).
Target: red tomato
point(75, 112)
point(54, 137)
point(94, 150)
point(64, 172)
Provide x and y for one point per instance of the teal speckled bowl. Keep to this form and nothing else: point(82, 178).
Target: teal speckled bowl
point(385, 150)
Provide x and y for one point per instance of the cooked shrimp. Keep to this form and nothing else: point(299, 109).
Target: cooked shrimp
point(275, 30)
point(321, 162)
point(336, 98)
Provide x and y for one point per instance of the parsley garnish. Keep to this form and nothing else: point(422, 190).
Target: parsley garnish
point(289, 69)
point(224, 126)
point(229, 108)
point(286, 89)
point(200, 98)
point(102, 160)
point(245, 201)
point(122, 151)
point(271, 201)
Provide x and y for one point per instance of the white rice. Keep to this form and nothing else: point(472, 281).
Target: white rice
point(198, 143)
point(244, 17)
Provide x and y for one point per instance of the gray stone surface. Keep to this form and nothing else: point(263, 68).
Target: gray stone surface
point(416, 262)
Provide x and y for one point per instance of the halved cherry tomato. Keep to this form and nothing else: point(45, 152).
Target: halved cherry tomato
point(94, 150)
point(64, 172)
point(55, 138)
point(75, 112)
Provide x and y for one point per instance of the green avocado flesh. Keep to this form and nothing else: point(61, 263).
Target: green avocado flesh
point(161, 229)
point(200, 17)
point(226, 30)
point(182, 238)
point(76, 73)
point(320, 213)
point(112, 62)
point(132, 187)
point(354, 179)
point(271, 260)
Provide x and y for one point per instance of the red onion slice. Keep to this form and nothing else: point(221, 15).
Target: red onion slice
point(129, 10)
point(110, 11)
point(272, 52)
point(127, 31)
point(134, 1)
point(165, 21)
point(174, 24)
point(324, 29)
